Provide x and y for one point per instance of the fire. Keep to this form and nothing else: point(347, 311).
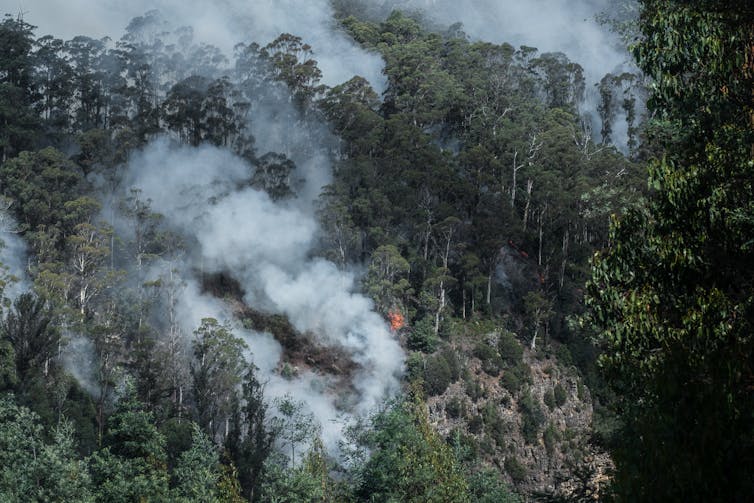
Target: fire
point(397, 321)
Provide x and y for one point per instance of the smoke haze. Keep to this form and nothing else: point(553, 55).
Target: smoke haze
point(267, 246)
point(223, 23)
point(12, 258)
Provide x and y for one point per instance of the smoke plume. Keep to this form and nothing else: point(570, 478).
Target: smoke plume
point(12, 257)
point(267, 246)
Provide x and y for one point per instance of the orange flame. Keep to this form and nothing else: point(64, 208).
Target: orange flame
point(397, 321)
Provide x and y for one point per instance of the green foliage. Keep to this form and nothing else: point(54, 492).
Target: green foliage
point(437, 375)
point(386, 281)
point(515, 469)
point(474, 389)
point(422, 336)
point(549, 399)
point(307, 482)
point(20, 123)
point(494, 425)
point(34, 470)
point(132, 464)
point(293, 425)
point(467, 185)
point(550, 437)
point(40, 183)
point(532, 417)
point(198, 472)
point(489, 357)
point(560, 395)
point(510, 349)
point(30, 330)
point(487, 487)
point(217, 371)
point(455, 408)
point(8, 374)
point(672, 297)
point(513, 379)
point(408, 462)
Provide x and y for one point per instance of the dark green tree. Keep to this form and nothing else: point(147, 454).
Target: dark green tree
point(131, 466)
point(218, 371)
point(34, 469)
point(672, 296)
point(30, 329)
point(409, 461)
point(20, 124)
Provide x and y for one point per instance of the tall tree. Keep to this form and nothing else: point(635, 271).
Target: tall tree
point(17, 118)
point(218, 372)
point(673, 296)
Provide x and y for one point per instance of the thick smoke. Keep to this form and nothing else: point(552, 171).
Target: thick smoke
point(13, 255)
point(267, 246)
point(223, 23)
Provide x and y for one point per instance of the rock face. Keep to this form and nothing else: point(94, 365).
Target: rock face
point(525, 414)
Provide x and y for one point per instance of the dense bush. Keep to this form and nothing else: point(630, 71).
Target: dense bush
point(549, 399)
point(560, 395)
point(490, 359)
point(550, 437)
point(438, 374)
point(514, 378)
point(494, 425)
point(510, 349)
point(422, 336)
point(515, 469)
point(532, 417)
point(455, 408)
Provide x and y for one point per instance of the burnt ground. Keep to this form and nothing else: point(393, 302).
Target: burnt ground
point(300, 349)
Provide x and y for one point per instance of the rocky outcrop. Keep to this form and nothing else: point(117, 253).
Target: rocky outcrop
point(529, 416)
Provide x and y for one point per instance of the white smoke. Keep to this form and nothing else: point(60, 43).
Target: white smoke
point(78, 358)
point(223, 23)
point(267, 246)
point(13, 255)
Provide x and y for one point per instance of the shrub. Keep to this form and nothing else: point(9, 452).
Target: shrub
point(453, 362)
point(494, 425)
point(510, 349)
point(422, 336)
point(465, 447)
point(490, 359)
point(415, 367)
point(455, 408)
point(474, 390)
point(549, 399)
point(564, 356)
point(437, 375)
point(560, 395)
point(550, 437)
point(515, 469)
point(486, 486)
point(532, 417)
point(514, 378)
point(476, 424)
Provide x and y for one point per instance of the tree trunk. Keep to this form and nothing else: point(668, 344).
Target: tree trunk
point(529, 187)
point(489, 287)
point(513, 185)
point(540, 224)
point(566, 238)
point(440, 308)
point(534, 338)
